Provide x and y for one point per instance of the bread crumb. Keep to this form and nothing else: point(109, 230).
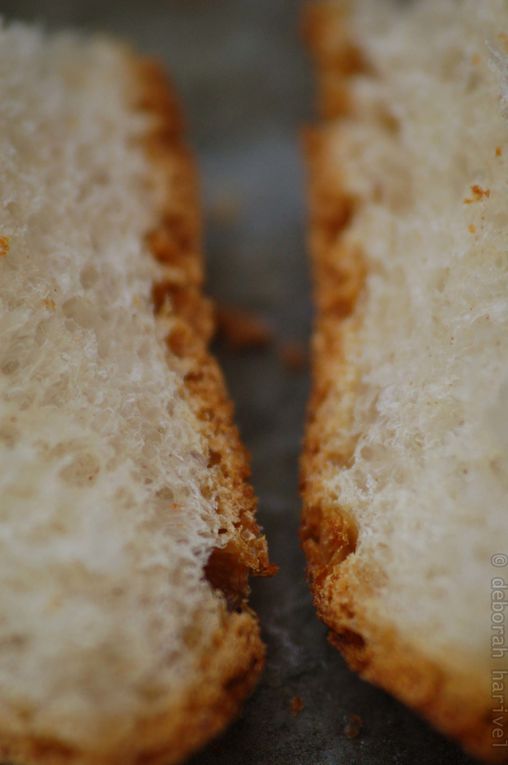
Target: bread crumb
point(471, 228)
point(293, 356)
point(297, 705)
point(476, 59)
point(353, 726)
point(478, 193)
point(4, 246)
point(242, 329)
point(49, 303)
point(499, 151)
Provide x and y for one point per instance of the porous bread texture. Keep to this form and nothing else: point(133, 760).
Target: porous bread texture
point(406, 464)
point(110, 503)
point(429, 475)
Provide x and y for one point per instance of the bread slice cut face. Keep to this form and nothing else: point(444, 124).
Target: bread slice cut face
point(126, 520)
point(405, 467)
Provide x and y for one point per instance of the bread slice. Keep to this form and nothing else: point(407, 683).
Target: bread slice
point(405, 465)
point(127, 529)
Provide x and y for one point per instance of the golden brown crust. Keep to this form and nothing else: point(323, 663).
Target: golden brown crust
point(177, 244)
point(235, 656)
point(231, 668)
point(229, 673)
point(452, 702)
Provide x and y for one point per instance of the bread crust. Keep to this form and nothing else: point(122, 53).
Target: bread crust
point(231, 668)
point(235, 656)
point(455, 703)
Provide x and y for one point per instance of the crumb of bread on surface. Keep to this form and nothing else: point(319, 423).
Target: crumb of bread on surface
point(49, 303)
point(353, 726)
point(471, 228)
point(297, 705)
point(242, 329)
point(4, 246)
point(293, 356)
point(499, 151)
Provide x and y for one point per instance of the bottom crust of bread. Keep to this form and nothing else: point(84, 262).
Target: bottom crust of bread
point(234, 658)
point(229, 672)
point(454, 703)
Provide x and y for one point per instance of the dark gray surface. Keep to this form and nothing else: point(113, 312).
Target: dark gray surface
point(245, 82)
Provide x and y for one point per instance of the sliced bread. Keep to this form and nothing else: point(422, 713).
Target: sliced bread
point(127, 529)
point(405, 465)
